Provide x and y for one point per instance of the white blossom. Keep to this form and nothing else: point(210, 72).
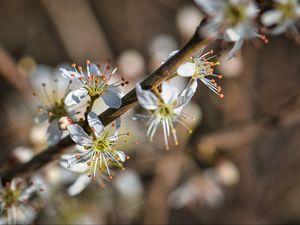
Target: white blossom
point(283, 17)
point(96, 152)
point(52, 108)
point(94, 83)
point(199, 67)
point(166, 109)
point(15, 204)
point(231, 20)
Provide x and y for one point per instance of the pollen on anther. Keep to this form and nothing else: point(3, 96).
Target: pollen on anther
point(110, 177)
point(221, 95)
point(88, 61)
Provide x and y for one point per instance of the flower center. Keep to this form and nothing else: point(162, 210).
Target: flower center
point(58, 110)
point(99, 88)
point(9, 196)
point(165, 111)
point(101, 144)
point(235, 14)
point(288, 9)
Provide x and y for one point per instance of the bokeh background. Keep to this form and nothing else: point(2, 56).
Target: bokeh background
point(240, 165)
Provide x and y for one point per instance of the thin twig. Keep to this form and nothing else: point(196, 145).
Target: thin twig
point(128, 101)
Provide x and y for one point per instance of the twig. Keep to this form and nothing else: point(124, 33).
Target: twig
point(128, 101)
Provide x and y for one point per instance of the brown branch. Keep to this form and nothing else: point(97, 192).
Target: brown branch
point(128, 101)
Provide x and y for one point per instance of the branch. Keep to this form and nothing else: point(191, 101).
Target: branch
point(164, 72)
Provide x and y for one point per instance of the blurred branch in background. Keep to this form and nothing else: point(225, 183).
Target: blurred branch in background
point(79, 30)
point(10, 72)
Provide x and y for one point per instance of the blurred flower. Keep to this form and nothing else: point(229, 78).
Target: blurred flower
point(198, 189)
point(159, 47)
point(131, 63)
point(232, 20)
point(129, 186)
point(97, 152)
point(15, 202)
point(166, 109)
point(284, 17)
point(233, 67)
point(23, 154)
point(188, 18)
point(94, 84)
point(227, 173)
point(200, 68)
point(53, 109)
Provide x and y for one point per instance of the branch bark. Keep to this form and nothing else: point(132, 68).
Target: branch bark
point(164, 72)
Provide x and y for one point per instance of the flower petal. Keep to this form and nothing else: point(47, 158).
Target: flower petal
point(169, 92)
point(237, 46)
point(232, 35)
point(121, 155)
point(271, 17)
point(76, 96)
point(95, 123)
point(41, 117)
point(69, 74)
point(81, 167)
point(187, 69)
point(54, 134)
point(140, 117)
point(210, 7)
point(146, 98)
point(78, 135)
point(112, 97)
point(79, 185)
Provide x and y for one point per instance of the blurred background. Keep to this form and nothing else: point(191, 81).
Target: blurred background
point(240, 165)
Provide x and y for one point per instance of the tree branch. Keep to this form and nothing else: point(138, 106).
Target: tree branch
point(128, 101)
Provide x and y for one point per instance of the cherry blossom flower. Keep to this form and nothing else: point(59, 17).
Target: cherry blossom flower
point(15, 203)
point(96, 153)
point(283, 17)
point(199, 67)
point(94, 84)
point(52, 108)
point(232, 20)
point(166, 109)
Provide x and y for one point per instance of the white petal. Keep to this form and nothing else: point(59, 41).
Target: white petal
point(169, 92)
point(76, 96)
point(187, 94)
point(94, 69)
point(121, 155)
point(80, 148)
point(232, 35)
point(42, 117)
point(112, 97)
point(210, 7)
point(79, 185)
point(187, 69)
point(78, 135)
point(251, 10)
point(69, 74)
point(76, 167)
point(54, 134)
point(146, 98)
point(140, 117)
point(28, 192)
point(95, 123)
point(237, 46)
point(271, 17)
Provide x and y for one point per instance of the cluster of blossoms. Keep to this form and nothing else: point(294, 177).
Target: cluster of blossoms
point(166, 107)
point(236, 20)
point(15, 206)
point(65, 105)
